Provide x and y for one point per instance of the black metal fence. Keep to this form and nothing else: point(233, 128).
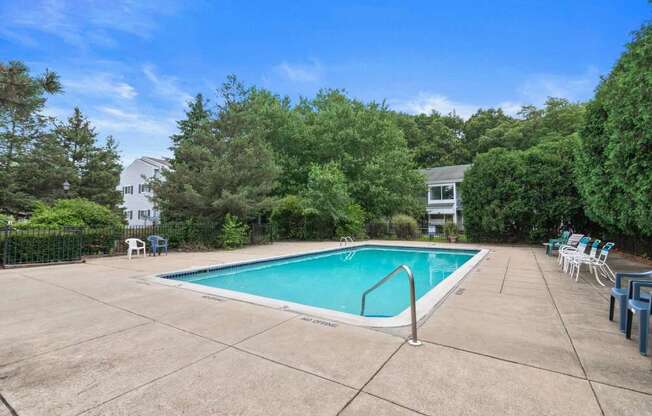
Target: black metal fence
point(23, 246)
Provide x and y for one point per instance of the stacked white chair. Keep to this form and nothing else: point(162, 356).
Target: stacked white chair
point(567, 251)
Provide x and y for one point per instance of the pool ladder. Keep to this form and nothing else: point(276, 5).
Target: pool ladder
point(413, 340)
point(346, 240)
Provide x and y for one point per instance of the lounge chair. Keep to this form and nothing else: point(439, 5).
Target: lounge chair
point(572, 242)
point(619, 294)
point(576, 260)
point(567, 251)
point(642, 307)
point(555, 243)
point(157, 244)
point(599, 264)
point(135, 245)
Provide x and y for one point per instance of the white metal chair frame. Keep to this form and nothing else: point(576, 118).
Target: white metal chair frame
point(571, 243)
point(576, 261)
point(136, 244)
point(566, 252)
point(600, 264)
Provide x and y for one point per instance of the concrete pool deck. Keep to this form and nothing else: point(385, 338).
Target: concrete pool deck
point(516, 338)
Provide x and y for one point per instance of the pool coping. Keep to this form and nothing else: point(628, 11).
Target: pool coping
point(424, 305)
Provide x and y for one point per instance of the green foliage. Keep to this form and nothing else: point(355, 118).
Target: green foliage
point(450, 229)
point(326, 201)
point(377, 228)
point(221, 164)
point(289, 218)
point(234, 233)
point(521, 195)
point(404, 226)
point(614, 160)
point(37, 154)
point(5, 220)
point(78, 212)
point(435, 139)
point(353, 225)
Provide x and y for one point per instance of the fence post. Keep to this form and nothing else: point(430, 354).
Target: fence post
point(5, 250)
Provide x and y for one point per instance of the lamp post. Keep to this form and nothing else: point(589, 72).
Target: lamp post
point(66, 187)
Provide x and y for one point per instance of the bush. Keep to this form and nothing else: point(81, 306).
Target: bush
point(79, 212)
point(614, 163)
point(353, 224)
point(450, 228)
point(5, 220)
point(234, 233)
point(377, 228)
point(405, 227)
point(521, 195)
point(288, 217)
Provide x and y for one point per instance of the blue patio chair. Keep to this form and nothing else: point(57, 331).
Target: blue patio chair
point(158, 244)
point(643, 309)
point(555, 243)
point(619, 293)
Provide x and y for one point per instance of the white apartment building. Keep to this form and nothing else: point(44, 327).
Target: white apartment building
point(137, 203)
point(443, 201)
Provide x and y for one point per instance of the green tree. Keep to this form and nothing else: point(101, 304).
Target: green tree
point(521, 195)
point(436, 140)
point(481, 122)
point(614, 168)
point(326, 200)
point(369, 148)
point(71, 153)
point(221, 164)
point(22, 97)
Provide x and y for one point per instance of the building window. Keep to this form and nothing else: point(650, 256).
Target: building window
point(143, 214)
point(128, 190)
point(144, 188)
point(156, 171)
point(442, 193)
point(129, 215)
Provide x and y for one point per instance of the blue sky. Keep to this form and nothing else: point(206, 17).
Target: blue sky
point(132, 65)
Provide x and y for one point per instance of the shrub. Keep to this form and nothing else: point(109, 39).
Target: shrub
point(521, 195)
point(614, 163)
point(405, 227)
point(288, 217)
point(234, 233)
point(450, 228)
point(5, 220)
point(377, 228)
point(353, 224)
point(77, 212)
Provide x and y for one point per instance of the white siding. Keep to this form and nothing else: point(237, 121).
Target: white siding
point(134, 176)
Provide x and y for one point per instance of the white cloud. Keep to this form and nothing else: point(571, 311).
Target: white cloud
point(166, 86)
point(300, 72)
point(534, 90)
point(84, 22)
point(113, 120)
point(537, 88)
point(100, 84)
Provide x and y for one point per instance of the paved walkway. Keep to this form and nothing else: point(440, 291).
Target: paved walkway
point(516, 338)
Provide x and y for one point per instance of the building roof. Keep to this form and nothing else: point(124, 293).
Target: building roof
point(156, 161)
point(453, 173)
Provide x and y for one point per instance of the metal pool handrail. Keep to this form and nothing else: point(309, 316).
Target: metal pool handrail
point(414, 341)
point(346, 239)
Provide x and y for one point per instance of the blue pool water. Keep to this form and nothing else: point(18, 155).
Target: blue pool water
point(336, 279)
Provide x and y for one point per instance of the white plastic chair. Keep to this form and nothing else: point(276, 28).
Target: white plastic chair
point(136, 245)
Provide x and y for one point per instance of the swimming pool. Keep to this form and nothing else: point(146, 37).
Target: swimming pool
point(330, 283)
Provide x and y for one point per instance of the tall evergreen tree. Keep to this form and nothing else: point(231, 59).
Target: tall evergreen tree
point(219, 166)
point(22, 97)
